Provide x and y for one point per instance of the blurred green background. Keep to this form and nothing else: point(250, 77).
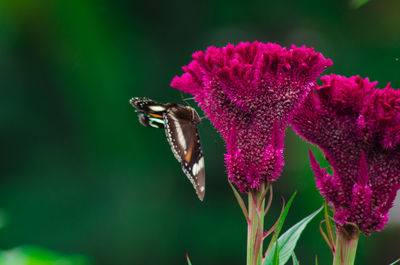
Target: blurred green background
point(79, 174)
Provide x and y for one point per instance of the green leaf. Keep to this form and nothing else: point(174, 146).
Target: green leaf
point(280, 222)
point(358, 3)
point(275, 261)
point(284, 214)
point(188, 260)
point(240, 201)
point(328, 223)
point(397, 261)
point(35, 255)
point(287, 242)
point(294, 259)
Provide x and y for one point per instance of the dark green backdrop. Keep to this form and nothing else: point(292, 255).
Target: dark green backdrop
point(79, 174)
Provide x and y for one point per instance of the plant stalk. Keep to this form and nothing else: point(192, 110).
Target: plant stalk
point(346, 245)
point(255, 227)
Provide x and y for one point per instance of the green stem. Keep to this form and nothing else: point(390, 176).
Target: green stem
point(346, 245)
point(255, 227)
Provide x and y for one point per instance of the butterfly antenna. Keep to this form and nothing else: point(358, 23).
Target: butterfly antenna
point(202, 118)
point(183, 99)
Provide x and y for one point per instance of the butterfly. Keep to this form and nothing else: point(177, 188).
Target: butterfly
point(180, 124)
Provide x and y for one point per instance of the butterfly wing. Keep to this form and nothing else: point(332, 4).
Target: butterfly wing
point(148, 106)
point(150, 112)
point(183, 137)
point(150, 121)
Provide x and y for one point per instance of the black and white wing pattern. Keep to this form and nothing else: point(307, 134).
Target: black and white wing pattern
point(180, 123)
point(150, 112)
point(182, 134)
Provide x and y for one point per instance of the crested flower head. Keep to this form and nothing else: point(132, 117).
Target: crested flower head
point(358, 128)
point(249, 92)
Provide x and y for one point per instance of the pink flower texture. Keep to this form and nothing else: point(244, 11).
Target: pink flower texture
point(358, 128)
point(249, 92)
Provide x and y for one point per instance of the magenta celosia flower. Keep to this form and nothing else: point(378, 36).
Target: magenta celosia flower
point(358, 128)
point(249, 92)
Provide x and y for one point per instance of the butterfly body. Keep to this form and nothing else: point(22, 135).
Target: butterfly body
point(180, 124)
